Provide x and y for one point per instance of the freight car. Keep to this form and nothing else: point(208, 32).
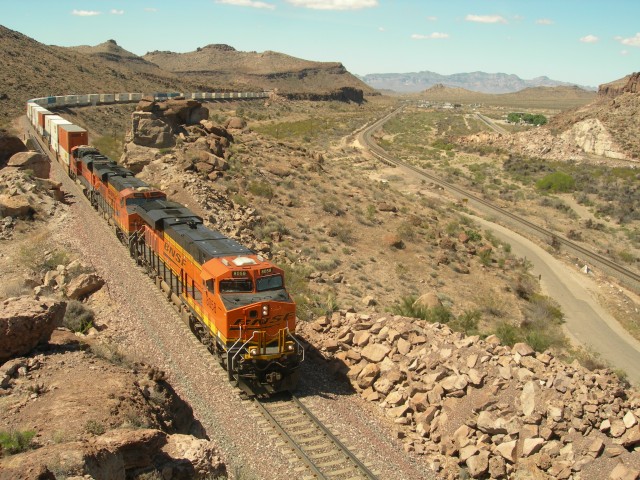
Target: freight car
point(234, 300)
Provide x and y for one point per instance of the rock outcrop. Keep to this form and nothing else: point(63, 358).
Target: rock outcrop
point(494, 410)
point(26, 322)
point(34, 161)
point(9, 146)
point(628, 84)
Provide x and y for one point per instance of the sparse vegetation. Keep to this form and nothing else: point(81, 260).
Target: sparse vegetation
point(78, 318)
point(15, 441)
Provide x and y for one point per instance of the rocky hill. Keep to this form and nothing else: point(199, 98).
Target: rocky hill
point(602, 128)
point(224, 65)
point(474, 81)
point(115, 54)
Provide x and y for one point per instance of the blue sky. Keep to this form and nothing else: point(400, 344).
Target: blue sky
point(587, 42)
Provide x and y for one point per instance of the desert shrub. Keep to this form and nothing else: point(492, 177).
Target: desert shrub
point(507, 333)
point(407, 307)
point(342, 232)
point(332, 207)
point(525, 286)
point(78, 317)
point(556, 182)
point(94, 427)
point(16, 441)
point(467, 322)
point(261, 189)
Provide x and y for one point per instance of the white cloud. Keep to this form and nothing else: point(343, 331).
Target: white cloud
point(248, 3)
point(85, 13)
point(117, 12)
point(544, 21)
point(381, 29)
point(631, 41)
point(431, 36)
point(624, 52)
point(589, 39)
point(334, 4)
point(431, 18)
point(485, 19)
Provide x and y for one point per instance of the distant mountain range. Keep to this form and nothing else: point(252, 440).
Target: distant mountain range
point(474, 81)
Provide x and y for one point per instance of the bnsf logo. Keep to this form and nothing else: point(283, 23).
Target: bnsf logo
point(172, 253)
point(265, 322)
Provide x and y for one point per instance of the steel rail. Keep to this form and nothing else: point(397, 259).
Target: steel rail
point(626, 276)
point(339, 449)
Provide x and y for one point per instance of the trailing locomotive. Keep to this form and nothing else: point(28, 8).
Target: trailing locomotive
point(234, 300)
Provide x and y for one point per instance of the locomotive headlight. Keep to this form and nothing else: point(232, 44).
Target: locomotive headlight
point(265, 310)
point(290, 347)
point(253, 351)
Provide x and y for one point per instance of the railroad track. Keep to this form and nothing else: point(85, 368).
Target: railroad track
point(628, 277)
point(321, 454)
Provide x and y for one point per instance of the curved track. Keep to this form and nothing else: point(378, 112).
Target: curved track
point(629, 278)
point(321, 453)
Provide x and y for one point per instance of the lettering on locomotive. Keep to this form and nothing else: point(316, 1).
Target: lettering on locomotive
point(264, 322)
point(171, 252)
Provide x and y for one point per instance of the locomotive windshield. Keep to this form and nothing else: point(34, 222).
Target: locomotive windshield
point(236, 286)
point(272, 282)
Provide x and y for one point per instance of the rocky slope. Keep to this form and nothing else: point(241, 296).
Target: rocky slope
point(601, 128)
point(224, 65)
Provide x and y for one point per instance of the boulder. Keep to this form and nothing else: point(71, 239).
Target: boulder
point(9, 146)
point(26, 322)
point(375, 352)
point(149, 131)
point(428, 300)
point(15, 206)
point(83, 285)
point(192, 458)
point(236, 123)
point(136, 157)
point(34, 161)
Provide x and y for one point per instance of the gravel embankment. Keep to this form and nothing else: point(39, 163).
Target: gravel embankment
point(146, 328)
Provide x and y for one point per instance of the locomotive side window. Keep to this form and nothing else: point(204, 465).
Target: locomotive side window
point(236, 286)
point(272, 282)
point(209, 284)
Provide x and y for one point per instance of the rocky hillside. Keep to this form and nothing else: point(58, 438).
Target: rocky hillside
point(30, 69)
point(224, 65)
point(474, 81)
point(603, 127)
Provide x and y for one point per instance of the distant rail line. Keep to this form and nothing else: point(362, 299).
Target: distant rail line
point(628, 277)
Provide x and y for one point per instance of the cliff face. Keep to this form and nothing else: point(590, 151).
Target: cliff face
point(628, 84)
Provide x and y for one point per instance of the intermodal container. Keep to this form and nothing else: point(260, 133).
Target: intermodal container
point(53, 130)
point(42, 115)
point(69, 136)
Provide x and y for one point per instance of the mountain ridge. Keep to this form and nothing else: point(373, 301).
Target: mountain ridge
point(475, 81)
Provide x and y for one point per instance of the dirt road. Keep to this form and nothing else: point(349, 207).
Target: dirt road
point(587, 323)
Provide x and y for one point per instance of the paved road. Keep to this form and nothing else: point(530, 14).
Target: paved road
point(587, 323)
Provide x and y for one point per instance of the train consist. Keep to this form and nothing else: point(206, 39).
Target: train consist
point(233, 299)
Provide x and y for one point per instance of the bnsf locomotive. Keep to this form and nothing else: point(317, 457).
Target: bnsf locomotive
point(233, 299)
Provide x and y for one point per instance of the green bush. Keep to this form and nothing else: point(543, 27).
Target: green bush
point(556, 182)
point(467, 322)
point(507, 333)
point(14, 441)
point(77, 317)
point(408, 308)
point(261, 189)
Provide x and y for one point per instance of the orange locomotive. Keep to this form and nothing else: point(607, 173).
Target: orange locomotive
point(233, 300)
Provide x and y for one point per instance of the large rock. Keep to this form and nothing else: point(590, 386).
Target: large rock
point(26, 322)
point(9, 146)
point(15, 206)
point(83, 285)
point(192, 458)
point(136, 157)
point(150, 131)
point(428, 300)
point(34, 161)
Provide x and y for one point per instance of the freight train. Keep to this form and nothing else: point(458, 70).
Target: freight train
point(234, 300)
